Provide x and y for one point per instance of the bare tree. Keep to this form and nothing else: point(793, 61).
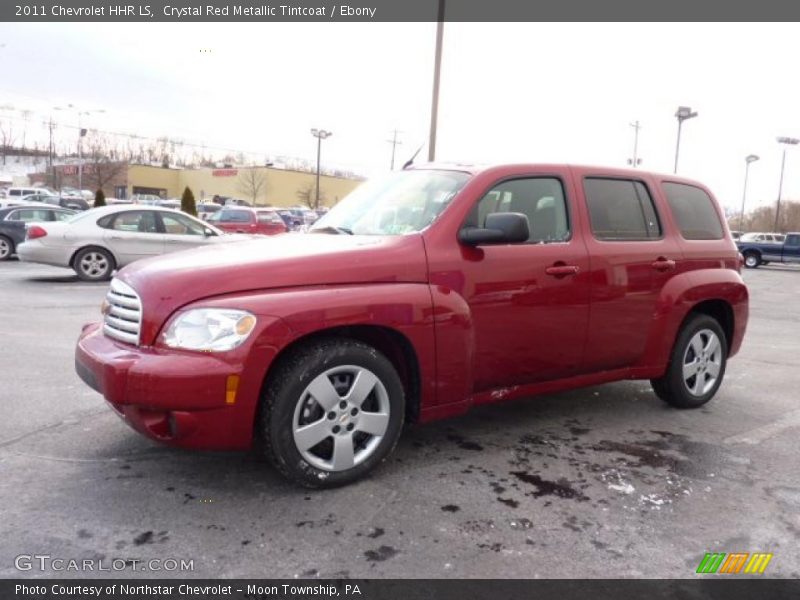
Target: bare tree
point(253, 183)
point(6, 139)
point(100, 169)
point(26, 117)
point(308, 196)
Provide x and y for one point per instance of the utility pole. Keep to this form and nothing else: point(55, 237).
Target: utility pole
point(635, 161)
point(437, 68)
point(394, 142)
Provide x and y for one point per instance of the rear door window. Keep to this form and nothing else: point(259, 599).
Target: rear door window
point(621, 209)
point(694, 212)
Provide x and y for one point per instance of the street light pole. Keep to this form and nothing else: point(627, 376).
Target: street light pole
point(635, 161)
point(682, 114)
point(437, 68)
point(320, 134)
point(786, 141)
point(751, 158)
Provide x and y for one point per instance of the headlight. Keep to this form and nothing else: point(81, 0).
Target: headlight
point(209, 329)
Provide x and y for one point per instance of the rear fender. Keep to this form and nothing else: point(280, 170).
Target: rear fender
point(678, 297)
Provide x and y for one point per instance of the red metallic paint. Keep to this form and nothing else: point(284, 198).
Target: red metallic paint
point(485, 324)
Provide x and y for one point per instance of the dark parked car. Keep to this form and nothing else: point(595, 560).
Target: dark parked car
point(62, 201)
point(417, 297)
point(13, 221)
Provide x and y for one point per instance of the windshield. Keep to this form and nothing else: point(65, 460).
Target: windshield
point(399, 203)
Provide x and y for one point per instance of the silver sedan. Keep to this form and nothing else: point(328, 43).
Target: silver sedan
point(96, 242)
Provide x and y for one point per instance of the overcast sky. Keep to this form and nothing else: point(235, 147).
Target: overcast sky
point(510, 92)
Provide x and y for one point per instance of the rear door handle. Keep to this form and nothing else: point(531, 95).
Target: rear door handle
point(561, 270)
point(663, 264)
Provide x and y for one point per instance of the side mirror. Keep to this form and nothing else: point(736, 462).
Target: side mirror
point(207, 232)
point(500, 228)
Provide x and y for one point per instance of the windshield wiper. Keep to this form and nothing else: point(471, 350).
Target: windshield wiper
point(332, 229)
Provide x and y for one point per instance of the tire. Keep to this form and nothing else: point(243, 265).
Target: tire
point(312, 431)
point(695, 385)
point(6, 248)
point(752, 260)
point(94, 264)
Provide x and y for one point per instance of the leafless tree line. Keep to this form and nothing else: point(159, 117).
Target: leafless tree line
point(763, 218)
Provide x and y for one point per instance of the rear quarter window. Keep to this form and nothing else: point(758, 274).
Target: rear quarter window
point(694, 212)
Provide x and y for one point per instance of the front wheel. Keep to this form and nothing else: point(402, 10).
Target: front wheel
point(331, 412)
point(752, 260)
point(696, 366)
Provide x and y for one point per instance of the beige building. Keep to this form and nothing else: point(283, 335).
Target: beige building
point(259, 185)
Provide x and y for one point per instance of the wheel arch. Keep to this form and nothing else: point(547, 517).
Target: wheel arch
point(721, 295)
point(88, 246)
point(390, 342)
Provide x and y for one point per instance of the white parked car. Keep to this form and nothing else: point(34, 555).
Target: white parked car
point(96, 242)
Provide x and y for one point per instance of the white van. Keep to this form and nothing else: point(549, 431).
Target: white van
point(14, 195)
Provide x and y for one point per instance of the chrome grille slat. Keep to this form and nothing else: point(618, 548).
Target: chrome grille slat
point(123, 319)
point(129, 326)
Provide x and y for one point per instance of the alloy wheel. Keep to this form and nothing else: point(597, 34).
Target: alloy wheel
point(94, 264)
point(341, 418)
point(702, 361)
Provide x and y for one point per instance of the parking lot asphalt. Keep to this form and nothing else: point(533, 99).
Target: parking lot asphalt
point(600, 482)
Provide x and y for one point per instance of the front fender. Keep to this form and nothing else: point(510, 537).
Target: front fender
point(405, 308)
point(678, 297)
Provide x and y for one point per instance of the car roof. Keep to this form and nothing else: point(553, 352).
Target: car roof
point(118, 208)
point(35, 205)
point(475, 169)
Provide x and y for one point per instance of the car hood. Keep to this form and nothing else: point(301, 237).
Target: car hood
point(165, 283)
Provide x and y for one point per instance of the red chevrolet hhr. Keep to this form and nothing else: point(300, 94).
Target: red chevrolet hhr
point(421, 294)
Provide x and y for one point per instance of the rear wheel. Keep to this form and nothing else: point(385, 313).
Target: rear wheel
point(93, 264)
point(6, 248)
point(752, 260)
point(331, 412)
point(697, 364)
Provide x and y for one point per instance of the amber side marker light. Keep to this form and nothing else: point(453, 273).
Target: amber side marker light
point(231, 387)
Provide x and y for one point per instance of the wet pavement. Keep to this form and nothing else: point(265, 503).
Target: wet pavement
point(601, 482)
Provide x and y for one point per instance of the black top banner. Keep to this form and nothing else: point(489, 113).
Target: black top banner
point(395, 10)
point(400, 589)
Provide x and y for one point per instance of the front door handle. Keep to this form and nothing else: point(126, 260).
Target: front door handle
point(663, 264)
point(561, 270)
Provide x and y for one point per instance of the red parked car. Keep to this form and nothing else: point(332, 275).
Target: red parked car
point(420, 295)
point(264, 221)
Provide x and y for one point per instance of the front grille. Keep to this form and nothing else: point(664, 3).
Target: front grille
point(123, 318)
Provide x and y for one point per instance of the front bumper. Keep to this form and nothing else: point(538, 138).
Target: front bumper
point(178, 398)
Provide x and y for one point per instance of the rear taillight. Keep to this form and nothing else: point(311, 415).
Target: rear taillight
point(34, 232)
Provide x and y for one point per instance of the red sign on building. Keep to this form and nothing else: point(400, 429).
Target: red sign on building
point(224, 172)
